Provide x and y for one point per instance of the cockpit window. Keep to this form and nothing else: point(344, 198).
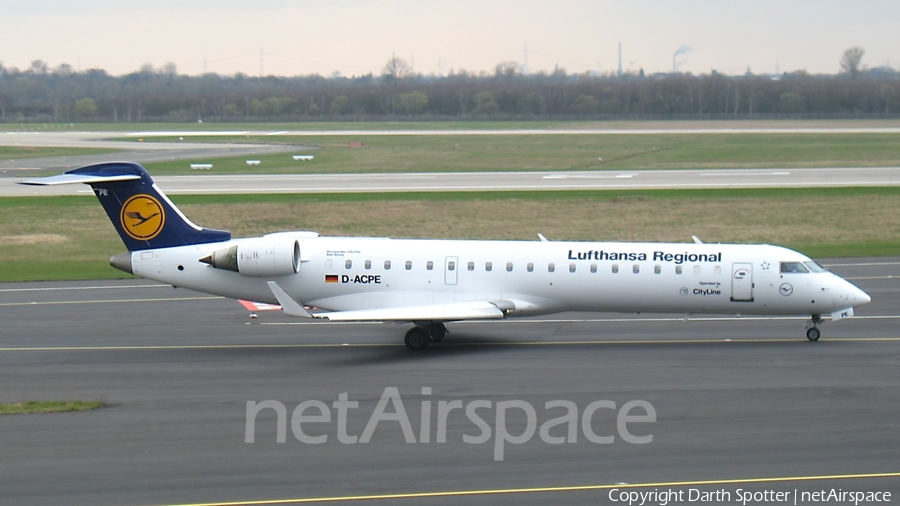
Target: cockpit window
point(793, 267)
point(814, 267)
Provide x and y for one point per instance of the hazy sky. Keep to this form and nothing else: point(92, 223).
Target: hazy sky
point(355, 37)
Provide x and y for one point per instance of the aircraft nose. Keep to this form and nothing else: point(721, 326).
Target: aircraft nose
point(864, 298)
point(857, 296)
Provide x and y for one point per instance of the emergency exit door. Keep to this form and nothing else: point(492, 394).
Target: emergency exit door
point(450, 270)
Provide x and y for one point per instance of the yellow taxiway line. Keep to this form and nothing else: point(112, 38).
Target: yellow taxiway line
point(577, 488)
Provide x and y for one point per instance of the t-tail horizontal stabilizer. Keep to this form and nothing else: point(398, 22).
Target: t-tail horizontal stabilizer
point(142, 214)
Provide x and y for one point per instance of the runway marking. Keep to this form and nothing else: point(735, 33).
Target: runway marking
point(105, 301)
point(872, 277)
point(507, 187)
point(737, 173)
point(531, 490)
point(66, 288)
point(866, 264)
point(165, 347)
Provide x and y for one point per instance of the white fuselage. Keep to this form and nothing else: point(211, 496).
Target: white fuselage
point(352, 273)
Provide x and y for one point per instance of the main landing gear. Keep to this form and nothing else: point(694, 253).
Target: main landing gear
point(418, 337)
point(812, 329)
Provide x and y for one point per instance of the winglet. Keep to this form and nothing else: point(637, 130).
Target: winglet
point(288, 304)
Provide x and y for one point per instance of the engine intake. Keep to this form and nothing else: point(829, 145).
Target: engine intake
point(261, 257)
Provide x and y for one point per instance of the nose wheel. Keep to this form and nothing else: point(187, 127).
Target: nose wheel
point(812, 329)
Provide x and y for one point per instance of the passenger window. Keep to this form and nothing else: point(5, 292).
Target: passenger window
point(697, 270)
point(677, 269)
point(717, 270)
point(657, 269)
point(593, 267)
point(615, 268)
point(571, 267)
point(793, 267)
point(551, 267)
point(348, 264)
point(408, 265)
point(471, 266)
point(368, 264)
point(508, 266)
point(451, 265)
point(488, 266)
point(387, 265)
point(429, 265)
point(530, 267)
point(636, 269)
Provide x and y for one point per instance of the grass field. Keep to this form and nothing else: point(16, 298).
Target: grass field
point(431, 153)
point(455, 153)
point(423, 124)
point(50, 238)
point(31, 407)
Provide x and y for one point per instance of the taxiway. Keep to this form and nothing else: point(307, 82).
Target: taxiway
point(736, 400)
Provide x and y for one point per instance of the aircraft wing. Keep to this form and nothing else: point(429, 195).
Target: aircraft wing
point(474, 310)
point(477, 310)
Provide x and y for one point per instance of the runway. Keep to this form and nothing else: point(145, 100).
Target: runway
point(498, 181)
point(741, 404)
point(12, 171)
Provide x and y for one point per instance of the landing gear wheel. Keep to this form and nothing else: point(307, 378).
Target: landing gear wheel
point(436, 331)
point(416, 339)
point(812, 334)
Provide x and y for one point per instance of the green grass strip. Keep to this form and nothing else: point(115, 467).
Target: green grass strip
point(29, 407)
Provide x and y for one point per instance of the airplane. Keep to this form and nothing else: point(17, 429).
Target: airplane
point(430, 282)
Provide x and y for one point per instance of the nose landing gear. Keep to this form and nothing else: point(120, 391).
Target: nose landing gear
point(812, 329)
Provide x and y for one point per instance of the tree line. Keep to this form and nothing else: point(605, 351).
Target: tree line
point(40, 94)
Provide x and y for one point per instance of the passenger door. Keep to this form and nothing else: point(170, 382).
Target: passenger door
point(742, 282)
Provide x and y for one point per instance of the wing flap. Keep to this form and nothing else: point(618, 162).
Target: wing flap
point(476, 310)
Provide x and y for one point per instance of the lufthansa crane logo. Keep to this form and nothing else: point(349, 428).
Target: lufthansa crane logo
point(142, 217)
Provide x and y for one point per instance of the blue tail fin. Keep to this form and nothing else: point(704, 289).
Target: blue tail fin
point(142, 214)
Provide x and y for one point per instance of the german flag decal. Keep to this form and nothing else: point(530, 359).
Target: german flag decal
point(331, 278)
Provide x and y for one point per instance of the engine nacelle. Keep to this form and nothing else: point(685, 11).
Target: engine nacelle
point(261, 257)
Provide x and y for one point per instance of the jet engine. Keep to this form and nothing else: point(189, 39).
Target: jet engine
point(261, 257)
